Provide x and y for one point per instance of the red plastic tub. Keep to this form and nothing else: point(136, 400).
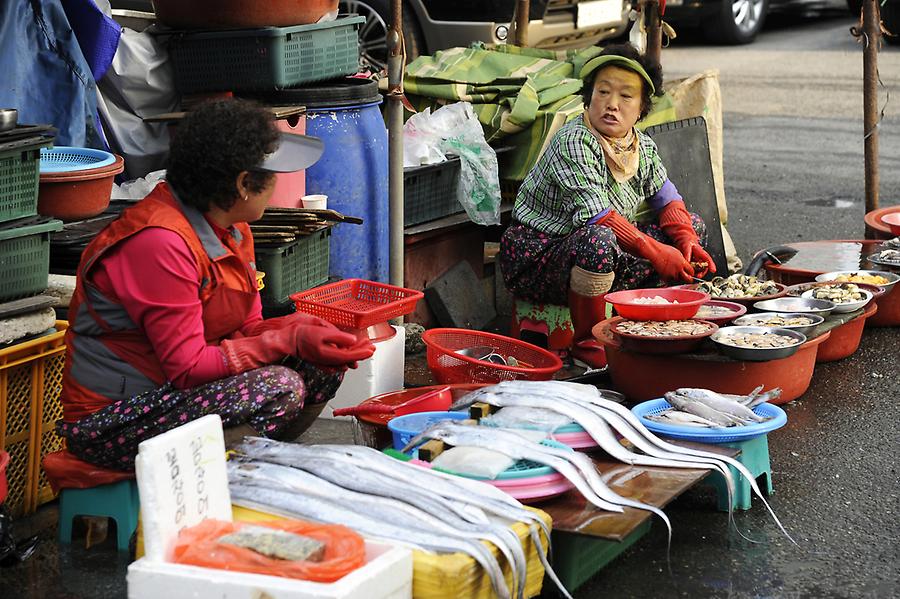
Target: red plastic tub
point(4, 462)
point(689, 301)
point(876, 226)
point(845, 339)
point(737, 310)
point(642, 377)
point(817, 257)
point(447, 366)
point(77, 195)
point(660, 345)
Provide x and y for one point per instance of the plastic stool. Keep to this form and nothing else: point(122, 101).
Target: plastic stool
point(755, 457)
point(552, 321)
point(118, 500)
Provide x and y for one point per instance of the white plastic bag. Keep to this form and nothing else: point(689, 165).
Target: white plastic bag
point(526, 418)
point(137, 189)
point(428, 137)
point(474, 461)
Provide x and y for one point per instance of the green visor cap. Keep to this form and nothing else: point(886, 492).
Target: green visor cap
point(616, 60)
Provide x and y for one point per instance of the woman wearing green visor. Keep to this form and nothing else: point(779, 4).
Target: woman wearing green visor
point(574, 237)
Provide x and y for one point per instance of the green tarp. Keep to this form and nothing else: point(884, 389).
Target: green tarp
point(522, 96)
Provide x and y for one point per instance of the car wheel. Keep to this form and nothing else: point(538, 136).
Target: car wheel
point(373, 49)
point(738, 22)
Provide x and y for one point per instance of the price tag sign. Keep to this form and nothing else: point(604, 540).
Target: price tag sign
point(182, 480)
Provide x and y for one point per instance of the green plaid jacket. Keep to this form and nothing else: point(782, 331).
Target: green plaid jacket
point(571, 184)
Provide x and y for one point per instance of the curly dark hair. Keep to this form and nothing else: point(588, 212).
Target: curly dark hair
point(653, 68)
point(213, 145)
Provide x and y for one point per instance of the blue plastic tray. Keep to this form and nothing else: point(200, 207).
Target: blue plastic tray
point(709, 435)
point(65, 159)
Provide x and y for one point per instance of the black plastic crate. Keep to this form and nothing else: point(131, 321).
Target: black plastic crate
point(430, 191)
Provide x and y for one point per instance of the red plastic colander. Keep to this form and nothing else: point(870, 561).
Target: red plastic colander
point(357, 303)
point(448, 366)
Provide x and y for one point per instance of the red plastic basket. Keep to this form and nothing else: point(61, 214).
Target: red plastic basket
point(449, 367)
point(357, 303)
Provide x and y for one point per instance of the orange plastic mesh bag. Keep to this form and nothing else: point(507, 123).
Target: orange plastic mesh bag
point(344, 550)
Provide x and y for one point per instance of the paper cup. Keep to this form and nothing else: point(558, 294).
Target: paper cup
point(315, 201)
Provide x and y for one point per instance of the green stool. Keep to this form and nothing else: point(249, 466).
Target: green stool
point(118, 501)
point(755, 457)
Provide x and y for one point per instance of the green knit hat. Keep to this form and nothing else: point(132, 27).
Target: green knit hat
point(616, 60)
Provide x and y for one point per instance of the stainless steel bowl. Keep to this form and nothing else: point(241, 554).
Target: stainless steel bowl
point(845, 307)
point(750, 320)
point(890, 276)
point(753, 354)
point(800, 305)
point(9, 118)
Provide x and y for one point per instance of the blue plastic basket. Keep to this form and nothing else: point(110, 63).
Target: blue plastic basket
point(404, 428)
point(708, 435)
point(65, 159)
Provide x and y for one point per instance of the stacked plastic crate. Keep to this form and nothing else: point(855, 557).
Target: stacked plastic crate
point(30, 370)
point(254, 62)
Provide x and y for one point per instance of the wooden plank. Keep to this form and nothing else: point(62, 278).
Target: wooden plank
point(653, 486)
point(26, 305)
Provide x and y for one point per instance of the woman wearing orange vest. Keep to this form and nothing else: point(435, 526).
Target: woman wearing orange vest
point(166, 322)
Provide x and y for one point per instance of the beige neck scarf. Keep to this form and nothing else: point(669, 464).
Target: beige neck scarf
point(621, 154)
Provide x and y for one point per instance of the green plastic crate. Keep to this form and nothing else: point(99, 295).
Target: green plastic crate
point(19, 172)
point(265, 58)
point(25, 259)
point(577, 558)
point(293, 267)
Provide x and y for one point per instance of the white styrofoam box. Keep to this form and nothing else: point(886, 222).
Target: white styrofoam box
point(387, 574)
point(181, 481)
point(381, 373)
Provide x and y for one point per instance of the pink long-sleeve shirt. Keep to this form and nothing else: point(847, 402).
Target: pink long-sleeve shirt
point(161, 295)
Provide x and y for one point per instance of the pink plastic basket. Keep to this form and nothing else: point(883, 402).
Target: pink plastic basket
point(357, 303)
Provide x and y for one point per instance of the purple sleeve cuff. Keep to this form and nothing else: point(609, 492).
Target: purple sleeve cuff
point(600, 215)
point(666, 194)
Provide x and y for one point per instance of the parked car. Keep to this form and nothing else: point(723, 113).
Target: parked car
point(432, 25)
point(730, 21)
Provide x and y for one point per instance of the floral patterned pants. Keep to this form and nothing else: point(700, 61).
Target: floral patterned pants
point(536, 266)
point(269, 399)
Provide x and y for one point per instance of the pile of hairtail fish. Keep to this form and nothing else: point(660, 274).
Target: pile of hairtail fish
point(705, 408)
point(381, 497)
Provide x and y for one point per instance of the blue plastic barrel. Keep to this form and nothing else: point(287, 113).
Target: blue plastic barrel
point(353, 173)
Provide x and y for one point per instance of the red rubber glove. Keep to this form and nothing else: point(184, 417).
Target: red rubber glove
point(321, 344)
point(273, 324)
point(675, 221)
point(332, 347)
point(667, 261)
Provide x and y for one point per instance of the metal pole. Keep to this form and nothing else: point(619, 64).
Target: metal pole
point(395, 141)
point(523, 8)
point(872, 40)
point(654, 32)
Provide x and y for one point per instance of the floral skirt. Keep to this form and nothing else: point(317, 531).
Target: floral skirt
point(536, 266)
point(269, 399)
